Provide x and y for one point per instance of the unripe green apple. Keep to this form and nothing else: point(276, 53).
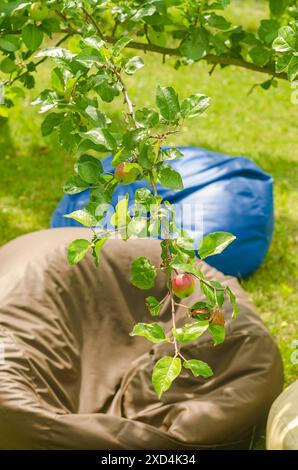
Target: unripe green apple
point(183, 285)
point(38, 11)
point(126, 173)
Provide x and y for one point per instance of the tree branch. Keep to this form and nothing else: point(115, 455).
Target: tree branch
point(173, 52)
point(211, 58)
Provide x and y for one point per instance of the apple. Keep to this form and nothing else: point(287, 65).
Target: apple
point(126, 173)
point(38, 11)
point(183, 285)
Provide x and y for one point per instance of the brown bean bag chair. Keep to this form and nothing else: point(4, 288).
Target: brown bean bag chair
point(73, 378)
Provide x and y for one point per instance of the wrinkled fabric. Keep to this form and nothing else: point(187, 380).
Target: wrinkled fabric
point(220, 194)
point(73, 378)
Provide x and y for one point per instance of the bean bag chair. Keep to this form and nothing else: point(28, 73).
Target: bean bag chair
point(73, 378)
point(228, 194)
point(282, 426)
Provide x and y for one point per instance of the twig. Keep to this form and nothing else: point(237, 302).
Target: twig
point(182, 357)
point(164, 135)
point(126, 98)
point(22, 74)
point(95, 24)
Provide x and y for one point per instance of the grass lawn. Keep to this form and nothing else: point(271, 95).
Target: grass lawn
point(262, 126)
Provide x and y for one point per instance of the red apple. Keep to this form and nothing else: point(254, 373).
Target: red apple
point(125, 173)
point(183, 285)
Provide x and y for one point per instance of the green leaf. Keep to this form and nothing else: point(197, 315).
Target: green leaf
point(268, 31)
point(151, 331)
point(32, 37)
point(120, 45)
point(168, 103)
point(96, 117)
point(83, 217)
point(133, 64)
point(57, 79)
point(147, 156)
point(160, 38)
point(7, 65)
point(216, 21)
point(143, 195)
point(138, 227)
point(218, 293)
point(218, 333)
point(77, 250)
point(97, 247)
point(106, 90)
point(93, 42)
point(11, 7)
point(153, 305)
point(282, 62)
point(170, 154)
point(56, 53)
point(260, 56)
point(102, 138)
point(51, 25)
point(145, 10)
point(195, 46)
point(89, 168)
point(118, 157)
point(293, 68)
point(286, 40)
point(67, 136)
point(233, 301)
point(277, 7)
point(187, 268)
point(165, 371)
point(170, 178)
point(214, 243)
point(75, 185)
point(121, 217)
point(209, 293)
point(191, 331)
point(198, 368)
point(143, 273)
point(9, 42)
point(194, 105)
point(268, 84)
point(51, 122)
point(185, 244)
point(147, 117)
point(132, 138)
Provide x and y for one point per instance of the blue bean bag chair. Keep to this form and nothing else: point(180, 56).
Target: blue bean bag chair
point(230, 194)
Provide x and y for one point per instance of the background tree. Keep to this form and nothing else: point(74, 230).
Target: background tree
point(90, 64)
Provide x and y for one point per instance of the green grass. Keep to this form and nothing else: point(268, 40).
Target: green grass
point(262, 126)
